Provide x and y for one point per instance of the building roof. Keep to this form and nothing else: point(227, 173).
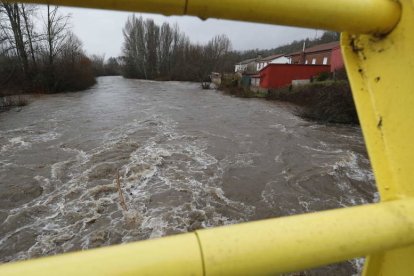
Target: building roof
point(272, 57)
point(292, 65)
point(247, 61)
point(318, 48)
point(322, 47)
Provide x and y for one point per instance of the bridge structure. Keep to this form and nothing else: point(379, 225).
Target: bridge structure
point(377, 42)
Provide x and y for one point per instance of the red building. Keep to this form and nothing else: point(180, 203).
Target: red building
point(280, 75)
point(323, 54)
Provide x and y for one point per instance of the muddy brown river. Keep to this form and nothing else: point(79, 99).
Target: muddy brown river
point(187, 158)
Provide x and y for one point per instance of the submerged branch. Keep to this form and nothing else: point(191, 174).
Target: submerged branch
point(121, 195)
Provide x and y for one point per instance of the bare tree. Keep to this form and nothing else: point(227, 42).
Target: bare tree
point(56, 32)
point(141, 47)
point(165, 49)
point(32, 60)
point(27, 13)
point(3, 34)
point(98, 64)
point(130, 48)
point(12, 31)
point(215, 50)
point(152, 33)
point(112, 67)
point(72, 48)
point(164, 52)
point(176, 38)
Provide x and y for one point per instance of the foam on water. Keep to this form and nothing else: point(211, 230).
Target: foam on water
point(169, 183)
point(16, 143)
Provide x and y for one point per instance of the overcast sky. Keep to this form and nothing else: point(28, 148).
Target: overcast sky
point(101, 31)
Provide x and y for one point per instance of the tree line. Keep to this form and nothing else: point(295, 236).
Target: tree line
point(106, 67)
point(164, 52)
point(39, 52)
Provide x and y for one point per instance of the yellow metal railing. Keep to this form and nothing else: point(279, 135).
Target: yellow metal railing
point(377, 44)
point(357, 16)
point(257, 248)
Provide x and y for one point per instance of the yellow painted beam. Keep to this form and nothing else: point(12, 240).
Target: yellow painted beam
point(178, 255)
point(301, 242)
point(381, 73)
point(356, 16)
point(256, 248)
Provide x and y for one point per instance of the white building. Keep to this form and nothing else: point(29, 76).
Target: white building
point(244, 65)
point(274, 59)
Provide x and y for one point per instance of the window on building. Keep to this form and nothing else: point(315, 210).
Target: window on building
point(314, 61)
point(306, 62)
point(325, 61)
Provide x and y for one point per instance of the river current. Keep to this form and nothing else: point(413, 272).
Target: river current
point(187, 159)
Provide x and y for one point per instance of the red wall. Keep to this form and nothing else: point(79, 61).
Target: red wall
point(337, 62)
point(279, 75)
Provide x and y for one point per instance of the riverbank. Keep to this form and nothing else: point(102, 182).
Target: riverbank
point(70, 81)
point(326, 102)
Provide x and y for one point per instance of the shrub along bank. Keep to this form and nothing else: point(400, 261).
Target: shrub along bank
point(231, 85)
point(328, 101)
point(39, 53)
